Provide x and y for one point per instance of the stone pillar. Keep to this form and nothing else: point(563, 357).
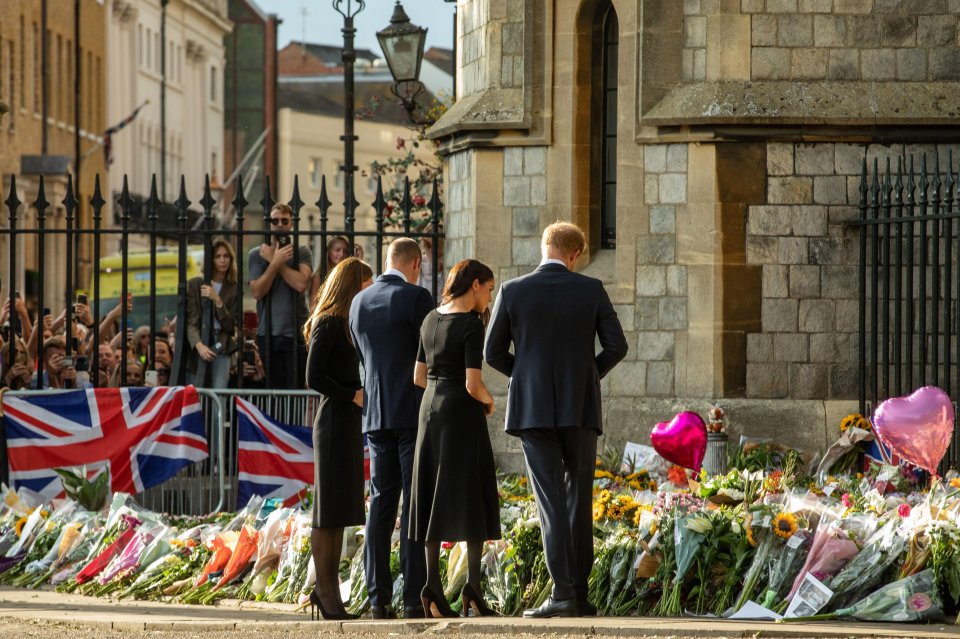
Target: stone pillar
point(723, 291)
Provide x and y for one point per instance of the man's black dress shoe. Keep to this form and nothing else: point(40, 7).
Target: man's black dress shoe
point(586, 608)
point(413, 612)
point(553, 608)
point(382, 612)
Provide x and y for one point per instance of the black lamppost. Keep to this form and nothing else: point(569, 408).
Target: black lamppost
point(348, 9)
point(402, 43)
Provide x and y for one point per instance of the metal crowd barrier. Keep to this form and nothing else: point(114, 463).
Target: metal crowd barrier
point(211, 485)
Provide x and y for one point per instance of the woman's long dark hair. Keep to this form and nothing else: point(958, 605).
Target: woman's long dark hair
point(461, 278)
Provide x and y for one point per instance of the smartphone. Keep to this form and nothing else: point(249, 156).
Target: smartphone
point(81, 298)
point(151, 378)
point(283, 240)
point(249, 320)
point(17, 294)
point(130, 324)
point(83, 364)
point(249, 357)
point(67, 361)
point(76, 345)
point(46, 310)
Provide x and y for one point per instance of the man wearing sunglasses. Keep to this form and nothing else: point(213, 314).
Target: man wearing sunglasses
point(278, 283)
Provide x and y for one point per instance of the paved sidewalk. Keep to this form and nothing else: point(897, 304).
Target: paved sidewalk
point(48, 607)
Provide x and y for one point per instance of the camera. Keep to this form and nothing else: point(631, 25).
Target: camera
point(67, 362)
point(82, 298)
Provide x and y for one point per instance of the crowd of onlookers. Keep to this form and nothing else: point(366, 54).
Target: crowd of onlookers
point(280, 284)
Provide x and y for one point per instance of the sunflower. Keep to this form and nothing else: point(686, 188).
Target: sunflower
point(634, 484)
point(599, 510)
point(784, 525)
point(604, 496)
point(854, 420)
point(652, 486)
point(602, 474)
point(749, 528)
point(615, 511)
point(955, 482)
point(19, 525)
point(637, 516)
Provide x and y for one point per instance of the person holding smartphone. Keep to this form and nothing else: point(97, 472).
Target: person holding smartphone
point(278, 283)
point(211, 347)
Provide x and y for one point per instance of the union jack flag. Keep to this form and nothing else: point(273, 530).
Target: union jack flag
point(143, 436)
point(274, 460)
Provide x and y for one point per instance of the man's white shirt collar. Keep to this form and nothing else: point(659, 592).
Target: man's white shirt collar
point(550, 260)
point(393, 271)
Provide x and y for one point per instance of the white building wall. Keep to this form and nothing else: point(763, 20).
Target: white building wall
point(195, 30)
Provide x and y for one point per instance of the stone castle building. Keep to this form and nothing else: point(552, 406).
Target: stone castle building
point(712, 149)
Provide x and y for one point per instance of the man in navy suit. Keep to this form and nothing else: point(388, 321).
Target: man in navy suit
point(385, 323)
point(553, 317)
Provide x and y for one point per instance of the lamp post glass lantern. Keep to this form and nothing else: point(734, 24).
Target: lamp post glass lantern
point(402, 43)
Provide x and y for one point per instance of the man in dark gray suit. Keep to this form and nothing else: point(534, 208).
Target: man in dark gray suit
point(552, 317)
point(385, 321)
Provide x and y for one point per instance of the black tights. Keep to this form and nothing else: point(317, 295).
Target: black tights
point(474, 555)
point(326, 545)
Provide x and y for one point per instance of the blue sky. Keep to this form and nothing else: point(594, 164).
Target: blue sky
point(322, 24)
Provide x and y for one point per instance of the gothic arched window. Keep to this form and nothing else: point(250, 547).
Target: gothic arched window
point(608, 138)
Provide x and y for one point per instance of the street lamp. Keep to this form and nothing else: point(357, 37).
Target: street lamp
point(348, 9)
point(402, 43)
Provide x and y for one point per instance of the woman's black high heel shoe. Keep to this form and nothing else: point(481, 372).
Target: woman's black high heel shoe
point(435, 606)
point(473, 603)
point(317, 611)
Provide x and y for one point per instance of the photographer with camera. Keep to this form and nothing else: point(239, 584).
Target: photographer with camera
point(278, 283)
point(60, 371)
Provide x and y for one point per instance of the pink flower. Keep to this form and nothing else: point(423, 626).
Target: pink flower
point(446, 545)
point(846, 500)
point(903, 510)
point(920, 602)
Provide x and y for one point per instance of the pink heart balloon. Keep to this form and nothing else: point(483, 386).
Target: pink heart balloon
point(918, 428)
point(682, 440)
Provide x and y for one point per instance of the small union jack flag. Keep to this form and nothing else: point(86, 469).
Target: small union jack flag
point(143, 436)
point(274, 460)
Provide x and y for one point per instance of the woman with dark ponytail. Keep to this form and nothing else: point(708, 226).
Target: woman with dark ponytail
point(454, 492)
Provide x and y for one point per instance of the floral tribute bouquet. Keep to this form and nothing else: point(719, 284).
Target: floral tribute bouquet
point(913, 598)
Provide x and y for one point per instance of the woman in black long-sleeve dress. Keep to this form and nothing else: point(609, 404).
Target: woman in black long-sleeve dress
point(333, 370)
point(454, 492)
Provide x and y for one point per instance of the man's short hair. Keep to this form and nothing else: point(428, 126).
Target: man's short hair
point(283, 208)
point(566, 237)
point(57, 341)
point(403, 251)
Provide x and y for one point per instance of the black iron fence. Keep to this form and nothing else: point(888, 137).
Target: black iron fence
point(391, 221)
point(909, 324)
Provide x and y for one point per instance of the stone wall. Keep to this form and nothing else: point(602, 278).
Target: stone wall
point(808, 344)
point(459, 211)
point(870, 40)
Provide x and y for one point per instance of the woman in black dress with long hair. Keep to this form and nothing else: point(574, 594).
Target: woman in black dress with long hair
point(333, 370)
point(454, 494)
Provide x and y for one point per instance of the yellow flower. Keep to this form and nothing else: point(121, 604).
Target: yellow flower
point(614, 511)
point(749, 528)
point(597, 463)
point(955, 482)
point(602, 474)
point(854, 420)
point(784, 525)
point(634, 484)
point(652, 486)
point(604, 496)
point(599, 510)
point(18, 528)
point(636, 516)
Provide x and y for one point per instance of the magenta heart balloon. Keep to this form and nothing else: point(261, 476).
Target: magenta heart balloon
point(918, 428)
point(682, 440)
